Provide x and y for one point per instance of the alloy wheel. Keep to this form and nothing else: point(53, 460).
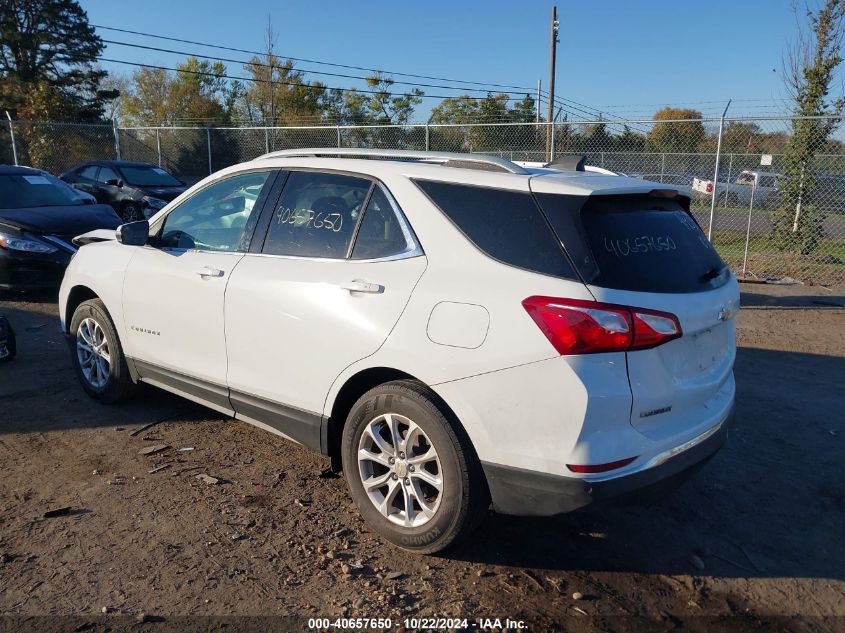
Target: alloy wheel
point(92, 352)
point(400, 470)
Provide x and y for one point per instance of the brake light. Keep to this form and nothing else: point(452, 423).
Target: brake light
point(574, 326)
point(709, 187)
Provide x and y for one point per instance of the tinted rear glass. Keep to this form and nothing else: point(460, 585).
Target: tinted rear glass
point(635, 242)
point(507, 225)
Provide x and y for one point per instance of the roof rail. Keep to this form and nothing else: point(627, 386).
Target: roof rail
point(447, 159)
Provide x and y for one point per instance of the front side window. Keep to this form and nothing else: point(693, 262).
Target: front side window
point(382, 233)
point(316, 215)
point(215, 217)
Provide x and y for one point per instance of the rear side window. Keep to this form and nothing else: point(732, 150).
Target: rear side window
point(316, 215)
point(506, 225)
point(635, 242)
point(382, 232)
point(106, 174)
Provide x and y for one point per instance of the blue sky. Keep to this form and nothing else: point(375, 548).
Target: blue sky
point(626, 58)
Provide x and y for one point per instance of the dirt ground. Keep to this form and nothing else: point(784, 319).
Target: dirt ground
point(754, 541)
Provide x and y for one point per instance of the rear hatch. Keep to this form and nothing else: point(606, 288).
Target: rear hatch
point(643, 249)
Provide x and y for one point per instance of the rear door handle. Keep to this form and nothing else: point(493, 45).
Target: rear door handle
point(208, 271)
point(357, 285)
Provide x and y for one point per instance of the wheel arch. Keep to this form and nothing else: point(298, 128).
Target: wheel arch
point(77, 295)
point(356, 386)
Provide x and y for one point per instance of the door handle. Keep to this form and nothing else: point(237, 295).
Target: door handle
point(208, 271)
point(357, 285)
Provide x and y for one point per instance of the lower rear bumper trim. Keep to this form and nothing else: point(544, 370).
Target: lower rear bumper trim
point(529, 493)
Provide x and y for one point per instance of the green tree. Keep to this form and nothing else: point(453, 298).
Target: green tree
point(198, 93)
point(276, 92)
point(810, 66)
point(47, 55)
point(630, 141)
point(668, 135)
point(477, 114)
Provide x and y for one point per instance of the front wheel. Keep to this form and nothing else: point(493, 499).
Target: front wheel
point(97, 354)
point(410, 469)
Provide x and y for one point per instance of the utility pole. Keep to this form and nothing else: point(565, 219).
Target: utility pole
point(539, 85)
point(552, 56)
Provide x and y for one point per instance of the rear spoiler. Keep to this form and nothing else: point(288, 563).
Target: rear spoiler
point(570, 162)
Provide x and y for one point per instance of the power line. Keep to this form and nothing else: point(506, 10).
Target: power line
point(313, 61)
point(272, 66)
point(267, 81)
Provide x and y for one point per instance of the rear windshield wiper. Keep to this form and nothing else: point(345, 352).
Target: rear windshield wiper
point(713, 273)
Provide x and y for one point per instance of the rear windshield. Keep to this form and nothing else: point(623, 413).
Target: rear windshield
point(23, 191)
point(635, 242)
point(149, 177)
point(507, 225)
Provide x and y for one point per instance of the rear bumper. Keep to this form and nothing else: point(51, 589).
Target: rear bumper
point(529, 493)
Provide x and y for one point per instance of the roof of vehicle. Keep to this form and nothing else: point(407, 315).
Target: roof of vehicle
point(7, 170)
point(551, 181)
point(116, 163)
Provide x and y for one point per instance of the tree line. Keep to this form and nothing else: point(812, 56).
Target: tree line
point(49, 71)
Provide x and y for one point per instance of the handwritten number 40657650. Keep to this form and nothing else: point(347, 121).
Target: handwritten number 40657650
point(642, 244)
point(309, 218)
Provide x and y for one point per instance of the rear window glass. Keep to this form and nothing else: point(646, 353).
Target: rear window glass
point(635, 242)
point(506, 225)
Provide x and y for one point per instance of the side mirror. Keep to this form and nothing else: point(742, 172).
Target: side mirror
point(133, 233)
point(114, 182)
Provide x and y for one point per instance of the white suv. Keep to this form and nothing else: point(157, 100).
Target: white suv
point(452, 330)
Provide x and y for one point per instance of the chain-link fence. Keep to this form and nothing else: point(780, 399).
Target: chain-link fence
point(776, 208)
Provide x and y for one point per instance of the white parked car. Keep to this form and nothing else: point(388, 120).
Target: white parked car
point(452, 330)
point(761, 187)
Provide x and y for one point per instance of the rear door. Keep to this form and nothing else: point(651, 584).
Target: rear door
point(646, 251)
point(307, 304)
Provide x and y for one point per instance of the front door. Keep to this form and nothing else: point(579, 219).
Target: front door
point(310, 303)
point(174, 288)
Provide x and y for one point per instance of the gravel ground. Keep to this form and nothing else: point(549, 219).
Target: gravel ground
point(755, 538)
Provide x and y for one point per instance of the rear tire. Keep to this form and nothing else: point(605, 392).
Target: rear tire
point(97, 354)
point(402, 441)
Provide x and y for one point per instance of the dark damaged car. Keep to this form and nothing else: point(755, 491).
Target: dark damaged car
point(134, 190)
point(38, 220)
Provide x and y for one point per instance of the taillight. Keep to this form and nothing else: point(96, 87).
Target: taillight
point(574, 326)
point(709, 187)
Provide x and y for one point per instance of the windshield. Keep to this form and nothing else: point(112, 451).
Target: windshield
point(24, 191)
point(149, 177)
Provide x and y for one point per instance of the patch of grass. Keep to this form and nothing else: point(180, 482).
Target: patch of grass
point(824, 267)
